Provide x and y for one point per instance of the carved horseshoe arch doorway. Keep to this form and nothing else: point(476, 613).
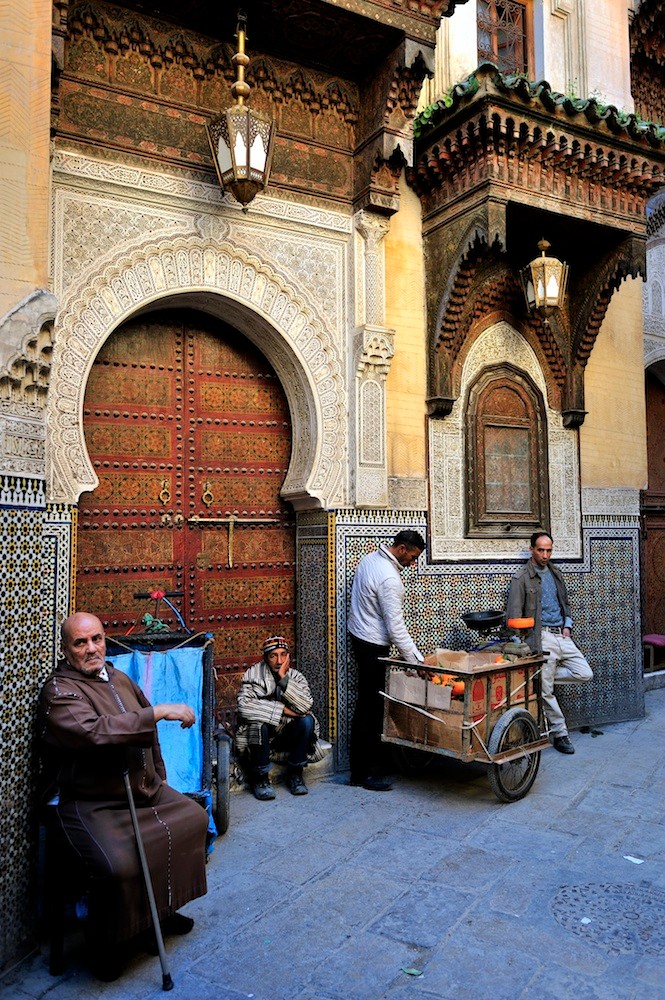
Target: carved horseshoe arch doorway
point(188, 429)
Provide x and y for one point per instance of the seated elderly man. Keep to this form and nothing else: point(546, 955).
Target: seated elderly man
point(95, 724)
point(274, 705)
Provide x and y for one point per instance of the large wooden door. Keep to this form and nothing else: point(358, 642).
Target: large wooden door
point(188, 430)
point(653, 512)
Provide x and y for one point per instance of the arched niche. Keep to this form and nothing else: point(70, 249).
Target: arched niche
point(223, 281)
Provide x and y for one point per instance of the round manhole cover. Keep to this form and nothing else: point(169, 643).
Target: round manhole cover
point(623, 919)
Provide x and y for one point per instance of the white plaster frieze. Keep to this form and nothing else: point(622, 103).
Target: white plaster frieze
point(140, 182)
point(610, 503)
point(22, 446)
point(407, 494)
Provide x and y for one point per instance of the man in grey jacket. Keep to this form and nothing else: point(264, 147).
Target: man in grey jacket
point(275, 720)
point(538, 591)
point(376, 621)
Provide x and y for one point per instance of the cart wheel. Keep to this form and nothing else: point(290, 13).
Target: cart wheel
point(222, 784)
point(512, 780)
point(411, 761)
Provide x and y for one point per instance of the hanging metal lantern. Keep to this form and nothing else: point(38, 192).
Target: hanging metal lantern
point(544, 281)
point(242, 139)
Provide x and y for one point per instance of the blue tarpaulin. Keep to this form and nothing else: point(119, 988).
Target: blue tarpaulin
point(173, 675)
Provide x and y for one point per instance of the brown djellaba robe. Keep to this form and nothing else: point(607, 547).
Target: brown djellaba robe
point(92, 730)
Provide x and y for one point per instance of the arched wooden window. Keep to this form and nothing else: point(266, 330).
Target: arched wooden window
point(504, 34)
point(506, 455)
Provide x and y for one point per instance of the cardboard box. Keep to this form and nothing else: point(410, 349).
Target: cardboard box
point(405, 724)
point(438, 695)
point(451, 658)
point(407, 686)
point(447, 731)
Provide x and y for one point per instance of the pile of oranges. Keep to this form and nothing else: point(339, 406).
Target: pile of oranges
point(449, 679)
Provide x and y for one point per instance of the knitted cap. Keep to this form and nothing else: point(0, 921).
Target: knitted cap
point(274, 642)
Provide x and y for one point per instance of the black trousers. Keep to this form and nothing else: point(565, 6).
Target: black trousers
point(295, 739)
point(366, 750)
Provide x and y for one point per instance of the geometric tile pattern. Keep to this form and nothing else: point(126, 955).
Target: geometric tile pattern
point(35, 578)
point(312, 617)
point(23, 667)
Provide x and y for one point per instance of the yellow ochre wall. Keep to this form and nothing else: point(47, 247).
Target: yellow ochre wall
point(613, 449)
point(405, 313)
point(25, 87)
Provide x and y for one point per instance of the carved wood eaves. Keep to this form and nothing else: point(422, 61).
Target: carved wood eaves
point(337, 138)
point(647, 59)
point(482, 290)
point(482, 287)
point(540, 148)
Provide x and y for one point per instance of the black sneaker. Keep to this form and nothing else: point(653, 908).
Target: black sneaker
point(562, 744)
point(263, 790)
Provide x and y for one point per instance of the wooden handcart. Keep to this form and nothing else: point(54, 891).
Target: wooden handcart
point(484, 712)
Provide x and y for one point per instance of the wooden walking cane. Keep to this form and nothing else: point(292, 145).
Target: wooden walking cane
point(167, 982)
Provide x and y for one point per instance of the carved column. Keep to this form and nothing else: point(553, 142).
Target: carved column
point(373, 352)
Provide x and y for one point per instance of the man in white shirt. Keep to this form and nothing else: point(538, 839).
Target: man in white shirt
point(376, 621)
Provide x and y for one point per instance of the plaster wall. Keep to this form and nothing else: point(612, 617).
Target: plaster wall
point(25, 97)
point(405, 313)
point(613, 436)
point(456, 53)
point(607, 52)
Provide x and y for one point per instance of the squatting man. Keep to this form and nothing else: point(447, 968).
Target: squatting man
point(275, 721)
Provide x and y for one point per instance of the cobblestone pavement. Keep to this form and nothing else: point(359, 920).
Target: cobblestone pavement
point(434, 891)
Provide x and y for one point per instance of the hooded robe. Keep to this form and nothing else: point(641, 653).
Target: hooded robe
point(92, 730)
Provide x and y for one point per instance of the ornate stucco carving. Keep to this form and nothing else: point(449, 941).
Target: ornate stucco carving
point(611, 504)
point(373, 229)
point(654, 350)
point(100, 204)
point(407, 494)
point(25, 347)
point(373, 353)
point(25, 362)
point(446, 446)
point(222, 279)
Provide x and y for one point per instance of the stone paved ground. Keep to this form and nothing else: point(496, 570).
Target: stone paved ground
point(333, 896)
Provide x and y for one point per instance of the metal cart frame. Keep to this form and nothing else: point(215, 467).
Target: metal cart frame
point(499, 721)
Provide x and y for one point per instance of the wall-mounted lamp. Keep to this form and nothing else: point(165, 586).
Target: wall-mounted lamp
point(544, 282)
point(241, 139)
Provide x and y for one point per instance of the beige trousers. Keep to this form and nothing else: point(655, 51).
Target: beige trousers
point(565, 665)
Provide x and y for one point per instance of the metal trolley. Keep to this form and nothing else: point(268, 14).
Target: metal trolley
point(211, 783)
point(484, 711)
